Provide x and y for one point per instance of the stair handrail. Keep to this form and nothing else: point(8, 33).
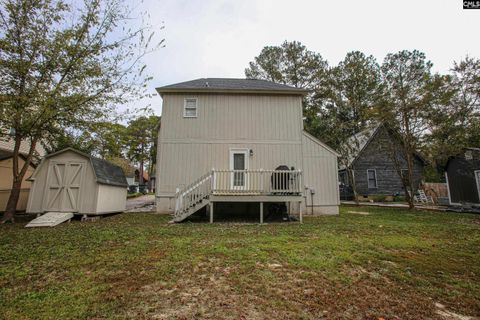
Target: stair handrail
point(189, 195)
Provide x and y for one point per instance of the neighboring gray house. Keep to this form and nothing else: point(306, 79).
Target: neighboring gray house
point(72, 181)
point(221, 141)
point(373, 169)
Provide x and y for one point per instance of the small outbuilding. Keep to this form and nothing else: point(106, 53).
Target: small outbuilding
point(462, 174)
point(72, 181)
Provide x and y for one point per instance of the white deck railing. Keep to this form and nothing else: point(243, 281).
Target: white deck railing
point(194, 192)
point(237, 182)
point(256, 182)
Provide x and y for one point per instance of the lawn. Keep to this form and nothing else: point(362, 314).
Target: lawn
point(391, 264)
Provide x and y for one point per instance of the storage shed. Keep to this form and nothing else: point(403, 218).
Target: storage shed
point(72, 181)
point(463, 178)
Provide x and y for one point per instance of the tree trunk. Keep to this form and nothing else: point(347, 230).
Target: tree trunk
point(12, 201)
point(353, 184)
point(18, 176)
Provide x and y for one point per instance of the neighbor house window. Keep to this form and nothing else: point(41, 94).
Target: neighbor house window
point(190, 108)
point(372, 179)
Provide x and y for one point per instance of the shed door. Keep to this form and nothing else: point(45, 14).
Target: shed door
point(64, 182)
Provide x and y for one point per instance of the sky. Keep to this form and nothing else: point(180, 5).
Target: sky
point(218, 38)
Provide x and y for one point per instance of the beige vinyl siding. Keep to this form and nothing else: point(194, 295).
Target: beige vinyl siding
point(185, 162)
point(6, 180)
point(320, 172)
point(233, 117)
point(269, 125)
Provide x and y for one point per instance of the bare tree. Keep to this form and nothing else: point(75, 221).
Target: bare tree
point(64, 65)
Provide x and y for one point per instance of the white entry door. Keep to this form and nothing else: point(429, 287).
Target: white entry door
point(239, 167)
point(63, 186)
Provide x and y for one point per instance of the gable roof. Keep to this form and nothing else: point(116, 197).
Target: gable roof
point(105, 172)
point(359, 141)
point(5, 154)
point(7, 143)
point(230, 85)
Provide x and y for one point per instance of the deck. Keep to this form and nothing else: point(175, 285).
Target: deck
point(239, 186)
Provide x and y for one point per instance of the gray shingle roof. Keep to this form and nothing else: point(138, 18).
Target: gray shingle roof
point(108, 173)
point(4, 154)
point(233, 85)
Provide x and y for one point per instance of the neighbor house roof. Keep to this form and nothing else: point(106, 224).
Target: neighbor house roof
point(5, 154)
point(227, 85)
point(7, 144)
point(105, 172)
point(358, 142)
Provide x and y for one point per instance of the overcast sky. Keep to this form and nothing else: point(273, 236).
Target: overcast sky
point(217, 38)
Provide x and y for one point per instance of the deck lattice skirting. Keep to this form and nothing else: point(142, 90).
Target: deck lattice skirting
point(239, 186)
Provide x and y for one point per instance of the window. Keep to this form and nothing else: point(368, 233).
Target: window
point(404, 174)
point(372, 178)
point(190, 108)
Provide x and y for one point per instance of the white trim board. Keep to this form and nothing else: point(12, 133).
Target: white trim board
point(246, 153)
point(185, 107)
point(476, 174)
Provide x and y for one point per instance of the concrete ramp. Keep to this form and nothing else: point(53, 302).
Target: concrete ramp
point(50, 219)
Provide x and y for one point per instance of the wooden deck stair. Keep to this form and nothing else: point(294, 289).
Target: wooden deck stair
point(193, 197)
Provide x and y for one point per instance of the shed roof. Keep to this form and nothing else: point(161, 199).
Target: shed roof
point(105, 172)
point(229, 85)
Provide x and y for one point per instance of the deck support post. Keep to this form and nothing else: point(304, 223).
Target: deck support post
point(300, 211)
point(211, 212)
point(261, 212)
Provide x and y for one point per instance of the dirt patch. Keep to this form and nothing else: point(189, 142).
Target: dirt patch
point(214, 291)
point(449, 315)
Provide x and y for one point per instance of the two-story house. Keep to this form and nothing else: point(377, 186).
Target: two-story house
point(240, 141)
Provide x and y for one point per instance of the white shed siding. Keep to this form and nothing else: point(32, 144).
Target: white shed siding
point(111, 199)
point(320, 174)
point(87, 200)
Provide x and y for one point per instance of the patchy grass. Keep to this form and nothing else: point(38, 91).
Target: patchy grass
point(390, 264)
